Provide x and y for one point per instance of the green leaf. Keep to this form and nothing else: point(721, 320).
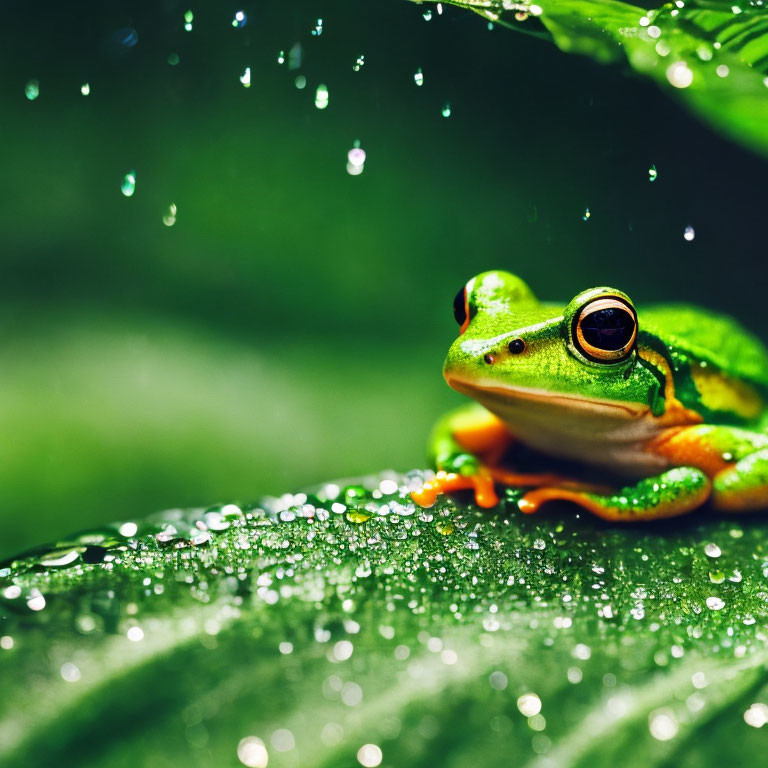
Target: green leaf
point(307, 627)
point(711, 54)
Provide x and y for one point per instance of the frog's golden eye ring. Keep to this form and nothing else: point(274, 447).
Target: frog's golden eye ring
point(605, 329)
point(461, 309)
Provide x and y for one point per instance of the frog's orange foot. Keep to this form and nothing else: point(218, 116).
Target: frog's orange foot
point(450, 482)
point(482, 482)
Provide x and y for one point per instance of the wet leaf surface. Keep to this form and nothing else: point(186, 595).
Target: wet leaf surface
point(307, 627)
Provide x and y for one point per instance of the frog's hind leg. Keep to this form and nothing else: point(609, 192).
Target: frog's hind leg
point(743, 485)
point(672, 493)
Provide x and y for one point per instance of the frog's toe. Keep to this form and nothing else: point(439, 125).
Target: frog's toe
point(449, 482)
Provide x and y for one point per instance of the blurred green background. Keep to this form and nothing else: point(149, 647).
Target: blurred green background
point(290, 326)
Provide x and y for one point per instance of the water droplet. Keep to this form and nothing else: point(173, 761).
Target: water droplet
point(539, 544)
point(662, 725)
point(245, 78)
point(653, 174)
point(188, 19)
point(716, 577)
point(715, 603)
point(358, 516)
point(318, 30)
point(586, 215)
point(355, 161)
point(173, 59)
point(128, 186)
point(300, 82)
point(85, 89)
point(169, 218)
point(70, 672)
point(427, 15)
point(756, 715)
point(418, 78)
point(689, 234)
point(359, 63)
point(712, 550)
point(444, 527)
point(252, 752)
point(35, 602)
point(446, 111)
point(32, 90)
point(529, 704)
point(679, 74)
point(240, 19)
point(321, 96)
point(369, 755)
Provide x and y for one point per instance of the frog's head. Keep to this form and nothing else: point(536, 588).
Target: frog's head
point(519, 356)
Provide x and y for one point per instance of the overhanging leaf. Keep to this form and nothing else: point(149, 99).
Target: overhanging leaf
point(712, 54)
point(310, 626)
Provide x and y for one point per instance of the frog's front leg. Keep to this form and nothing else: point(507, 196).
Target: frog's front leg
point(465, 447)
point(669, 494)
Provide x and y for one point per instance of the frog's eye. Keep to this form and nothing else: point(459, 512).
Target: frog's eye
point(605, 329)
point(461, 309)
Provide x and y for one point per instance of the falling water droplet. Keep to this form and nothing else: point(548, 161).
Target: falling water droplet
point(128, 187)
point(427, 15)
point(318, 30)
point(281, 57)
point(32, 90)
point(355, 162)
point(240, 20)
point(245, 78)
point(586, 215)
point(446, 111)
point(188, 19)
point(418, 77)
point(85, 89)
point(653, 174)
point(689, 234)
point(359, 63)
point(169, 218)
point(321, 96)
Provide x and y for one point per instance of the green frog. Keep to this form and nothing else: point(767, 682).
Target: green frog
point(669, 400)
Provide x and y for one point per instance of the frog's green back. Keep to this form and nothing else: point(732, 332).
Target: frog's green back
point(716, 338)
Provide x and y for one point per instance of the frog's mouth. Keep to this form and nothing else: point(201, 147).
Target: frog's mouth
point(506, 398)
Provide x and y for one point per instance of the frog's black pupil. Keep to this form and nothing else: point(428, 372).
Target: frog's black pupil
point(460, 308)
point(516, 346)
point(609, 329)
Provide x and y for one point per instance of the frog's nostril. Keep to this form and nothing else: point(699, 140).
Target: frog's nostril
point(516, 346)
point(490, 359)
